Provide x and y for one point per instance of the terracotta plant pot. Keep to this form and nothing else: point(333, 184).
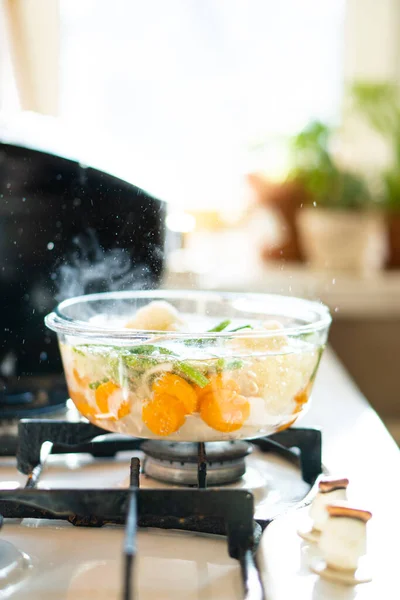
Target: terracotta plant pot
point(343, 240)
point(393, 229)
point(285, 199)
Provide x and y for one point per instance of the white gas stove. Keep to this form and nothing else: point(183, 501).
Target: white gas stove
point(50, 558)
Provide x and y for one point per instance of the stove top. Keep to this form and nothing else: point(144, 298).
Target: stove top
point(280, 472)
point(29, 397)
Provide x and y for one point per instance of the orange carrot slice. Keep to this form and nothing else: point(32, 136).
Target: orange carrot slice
point(102, 394)
point(164, 414)
point(81, 381)
point(176, 386)
point(82, 404)
point(124, 410)
point(301, 400)
point(224, 411)
point(216, 385)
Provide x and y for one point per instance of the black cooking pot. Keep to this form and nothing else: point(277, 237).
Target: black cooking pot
point(65, 229)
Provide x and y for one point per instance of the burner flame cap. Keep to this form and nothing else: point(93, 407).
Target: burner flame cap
point(187, 452)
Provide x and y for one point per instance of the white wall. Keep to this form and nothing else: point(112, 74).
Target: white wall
point(372, 46)
point(30, 39)
point(372, 53)
point(8, 93)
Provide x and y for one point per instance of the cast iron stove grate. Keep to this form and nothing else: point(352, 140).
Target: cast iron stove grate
point(215, 511)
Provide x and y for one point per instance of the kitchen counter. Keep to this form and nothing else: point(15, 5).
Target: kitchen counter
point(355, 445)
point(355, 439)
point(347, 295)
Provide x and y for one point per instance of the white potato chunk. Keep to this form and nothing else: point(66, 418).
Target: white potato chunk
point(281, 377)
point(268, 343)
point(157, 316)
point(247, 383)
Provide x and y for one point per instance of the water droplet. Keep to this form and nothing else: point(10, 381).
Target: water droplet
point(23, 199)
point(333, 281)
point(336, 309)
point(77, 202)
point(50, 246)
point(59, 177)
point(43, 355)
point(8, 186)
point(314, 203)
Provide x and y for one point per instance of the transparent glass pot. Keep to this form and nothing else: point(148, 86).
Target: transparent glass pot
point(231, 366)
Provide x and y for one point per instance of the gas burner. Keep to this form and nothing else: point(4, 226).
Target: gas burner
point(28, 397)
point(178, 462)
point(31, 396)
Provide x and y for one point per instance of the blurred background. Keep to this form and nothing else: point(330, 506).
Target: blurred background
point(272, 130)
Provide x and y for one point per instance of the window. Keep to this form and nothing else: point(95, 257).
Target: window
point(181, 90)
point(176, 95)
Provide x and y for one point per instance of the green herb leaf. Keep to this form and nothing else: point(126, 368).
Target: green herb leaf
point(150, 349)
point(320, 353)
point(241, 327)
point(224, 364)
point(95, 384)
point(200, 342)
point(193, 374)
point(123, 351)
point(208, 341)
point(103, 350)
point(113, 369)
point(77, 351)
point(221, 326)
point(140, 362)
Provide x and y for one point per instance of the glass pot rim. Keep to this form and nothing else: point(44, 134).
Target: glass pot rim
point(61, 323)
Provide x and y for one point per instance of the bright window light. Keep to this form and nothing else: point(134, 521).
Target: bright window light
point(177, 95)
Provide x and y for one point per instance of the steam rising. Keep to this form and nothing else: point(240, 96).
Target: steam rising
point(89, 268)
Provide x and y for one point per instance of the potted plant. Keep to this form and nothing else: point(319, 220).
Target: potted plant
point(379, 103)
point(337, 227)
point(283, 200)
